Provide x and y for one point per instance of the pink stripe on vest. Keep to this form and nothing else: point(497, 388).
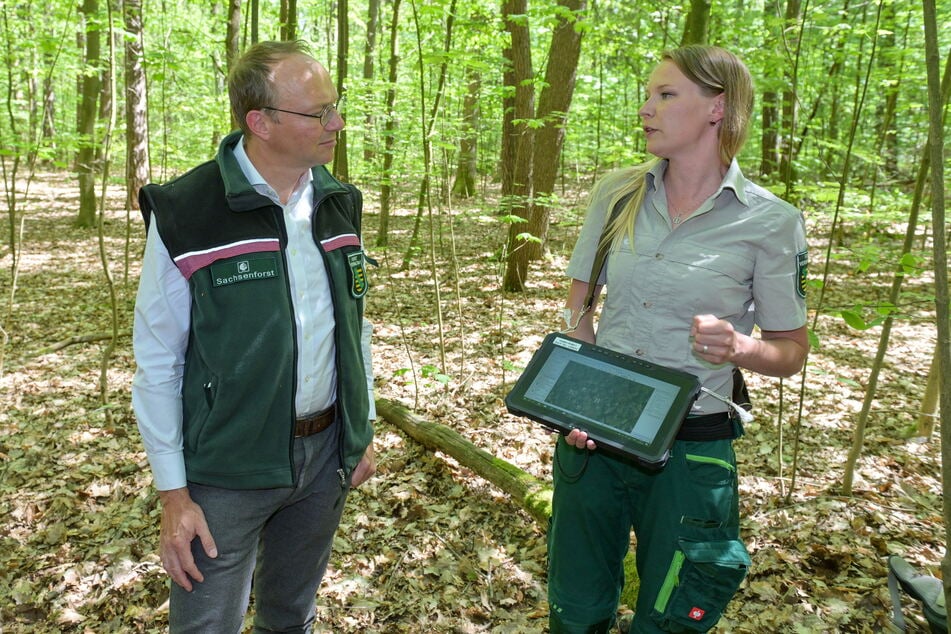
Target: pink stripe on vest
point(190, 262)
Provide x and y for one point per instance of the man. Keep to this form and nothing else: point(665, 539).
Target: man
point(253, 391)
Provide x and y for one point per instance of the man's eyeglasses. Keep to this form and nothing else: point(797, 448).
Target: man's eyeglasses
point(325, 116)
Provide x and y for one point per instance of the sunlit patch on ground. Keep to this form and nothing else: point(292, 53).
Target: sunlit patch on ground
point(427, 546)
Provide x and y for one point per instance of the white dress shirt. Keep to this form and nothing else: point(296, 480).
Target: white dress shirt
point(161, 328)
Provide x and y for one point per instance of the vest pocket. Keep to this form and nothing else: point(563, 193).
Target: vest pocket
point(701, 580)
point(198, 403)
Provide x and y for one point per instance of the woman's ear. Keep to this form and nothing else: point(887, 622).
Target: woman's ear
point(717, 112)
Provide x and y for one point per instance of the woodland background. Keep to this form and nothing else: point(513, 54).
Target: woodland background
point(475, 131)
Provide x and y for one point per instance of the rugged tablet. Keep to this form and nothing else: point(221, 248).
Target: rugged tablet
point(627, 406)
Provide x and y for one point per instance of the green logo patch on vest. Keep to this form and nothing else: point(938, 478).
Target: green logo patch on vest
point(358, 274)
point(245, 268)
point(802, 265)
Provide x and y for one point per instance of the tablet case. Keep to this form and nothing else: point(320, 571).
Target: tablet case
point(628, 406)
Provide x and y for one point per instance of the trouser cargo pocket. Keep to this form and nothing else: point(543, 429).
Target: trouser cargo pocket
point(701, 580)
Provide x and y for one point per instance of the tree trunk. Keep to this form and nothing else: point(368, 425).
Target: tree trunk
point(928, 412)
point(789, 102)
point(770, 129)
point(292, 19)
point(887, 131)
point(288, 18)
point(373, 19)
point(518, 99)
point(255, 18)
point(341, 167)
point(517, 140)
point(137, 166)
point(937, 99)
point(464, 184)
point(389, 133)
point(695, 28)
point(769, 135)
point(530, 493)
point(553, 105)
point(49, 106)
point(88, 109)
point(233, 41)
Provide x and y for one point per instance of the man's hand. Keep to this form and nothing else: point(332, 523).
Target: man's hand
point(365, 469)
point(182, 521)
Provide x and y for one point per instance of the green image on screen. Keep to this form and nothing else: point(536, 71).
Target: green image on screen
point(608, 398)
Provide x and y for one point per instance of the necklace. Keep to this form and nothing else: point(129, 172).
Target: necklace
point(678, 218)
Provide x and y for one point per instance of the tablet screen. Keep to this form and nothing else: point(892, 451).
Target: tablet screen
point(629, 405)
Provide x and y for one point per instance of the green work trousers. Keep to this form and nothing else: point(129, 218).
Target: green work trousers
point(685, 518)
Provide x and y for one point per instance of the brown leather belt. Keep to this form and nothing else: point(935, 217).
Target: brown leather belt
point(315, 423)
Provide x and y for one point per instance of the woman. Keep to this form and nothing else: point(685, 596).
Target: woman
point(698, 256)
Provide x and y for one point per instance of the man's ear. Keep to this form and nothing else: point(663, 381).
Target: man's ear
point(258, 123)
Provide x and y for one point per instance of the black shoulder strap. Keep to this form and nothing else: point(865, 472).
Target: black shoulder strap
point(602, 254)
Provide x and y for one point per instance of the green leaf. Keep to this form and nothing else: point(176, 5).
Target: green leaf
point(527, 237)
point(854, 320)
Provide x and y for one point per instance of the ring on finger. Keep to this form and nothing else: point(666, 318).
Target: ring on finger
point(705, 348)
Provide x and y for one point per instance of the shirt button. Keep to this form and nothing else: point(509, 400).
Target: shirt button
point(659, 256)
point(648, 304)
point(639, 352)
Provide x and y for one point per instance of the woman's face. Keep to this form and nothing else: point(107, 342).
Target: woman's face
point(678, 118)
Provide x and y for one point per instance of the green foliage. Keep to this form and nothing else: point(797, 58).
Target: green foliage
point(632, 581)
point(188, 109)
point(432, 372)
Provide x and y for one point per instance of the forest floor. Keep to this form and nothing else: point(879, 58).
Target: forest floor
point(428, 546)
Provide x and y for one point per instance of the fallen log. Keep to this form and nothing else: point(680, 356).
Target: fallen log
point(528, 491)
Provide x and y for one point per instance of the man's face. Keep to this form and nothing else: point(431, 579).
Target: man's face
point(303, 86)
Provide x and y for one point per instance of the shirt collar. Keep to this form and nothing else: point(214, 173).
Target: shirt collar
point(257, 181)
point(733, 180)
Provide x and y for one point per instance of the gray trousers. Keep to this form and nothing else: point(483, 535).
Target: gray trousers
point(280, 538)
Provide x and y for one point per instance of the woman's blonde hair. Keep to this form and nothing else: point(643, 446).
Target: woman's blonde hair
point(715, 71)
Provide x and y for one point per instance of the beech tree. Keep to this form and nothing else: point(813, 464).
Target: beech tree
point(136, 105)
point(537, 153)
point(90, 87)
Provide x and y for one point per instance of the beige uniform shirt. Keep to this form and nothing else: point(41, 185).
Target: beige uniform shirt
point(741, 256)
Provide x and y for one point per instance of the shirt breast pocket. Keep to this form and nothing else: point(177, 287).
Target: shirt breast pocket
point(721, 282)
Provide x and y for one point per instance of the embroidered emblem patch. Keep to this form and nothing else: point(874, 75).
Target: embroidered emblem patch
point(802, 265)
point(358, 275)
point(696, 614)
point(227, 272)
